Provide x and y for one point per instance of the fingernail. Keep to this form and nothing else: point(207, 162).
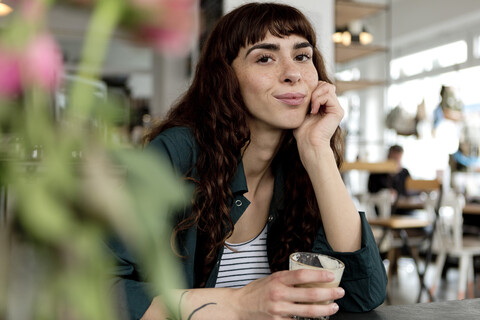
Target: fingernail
point(330, 276)
point(340, 291)
point(335, 307)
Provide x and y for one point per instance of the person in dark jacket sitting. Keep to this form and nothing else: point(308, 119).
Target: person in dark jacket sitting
point(257, 136)
point(395, 182)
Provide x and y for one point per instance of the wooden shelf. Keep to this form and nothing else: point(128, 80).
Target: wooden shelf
point(355, 51)
point(346, 11)
point(343, 86)
point(374, 167)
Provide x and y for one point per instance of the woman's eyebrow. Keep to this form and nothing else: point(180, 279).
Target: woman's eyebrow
point(276, 47)
point(267, 46)
point(301, 45)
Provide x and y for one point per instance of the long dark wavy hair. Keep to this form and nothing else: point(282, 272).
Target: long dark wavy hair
point(214, 109)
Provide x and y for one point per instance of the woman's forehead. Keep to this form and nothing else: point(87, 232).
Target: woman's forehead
point(274, 38)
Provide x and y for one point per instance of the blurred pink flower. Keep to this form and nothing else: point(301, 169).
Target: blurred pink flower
point(168, 25)
point(165, 40)
point(32, 10)
point(10, 79)
point(43, 62)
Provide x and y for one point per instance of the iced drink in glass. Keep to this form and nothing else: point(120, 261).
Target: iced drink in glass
point(316, 261)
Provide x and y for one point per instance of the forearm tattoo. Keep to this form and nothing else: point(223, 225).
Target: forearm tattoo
point(179, 309)
point(198, 309)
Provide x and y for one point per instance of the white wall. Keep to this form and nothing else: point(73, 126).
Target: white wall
point(171, 76)
point(141, 85)
point(424, 22)
point(170, 81)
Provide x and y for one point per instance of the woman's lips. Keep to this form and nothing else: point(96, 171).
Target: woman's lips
point(292, 99)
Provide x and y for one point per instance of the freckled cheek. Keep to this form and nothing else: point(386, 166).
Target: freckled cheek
point(312, 79)
point(257, 83)
point(312, 82)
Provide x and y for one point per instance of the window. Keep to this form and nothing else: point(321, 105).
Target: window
point(434, 149)
point(476, 47)
point(427, 60)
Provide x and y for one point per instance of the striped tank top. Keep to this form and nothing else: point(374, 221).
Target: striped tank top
point(244, 262)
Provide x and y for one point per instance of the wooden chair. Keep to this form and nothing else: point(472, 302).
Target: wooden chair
point(398, 227)
point(451, 242)
point(382, 200)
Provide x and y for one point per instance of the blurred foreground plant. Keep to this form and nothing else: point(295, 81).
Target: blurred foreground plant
point(64, 206)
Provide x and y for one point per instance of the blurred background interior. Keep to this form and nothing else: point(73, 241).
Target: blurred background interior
point(390, 60)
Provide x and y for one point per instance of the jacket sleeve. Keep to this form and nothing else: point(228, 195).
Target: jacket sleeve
point(130, 291)
point(364, 278)
point(130, 288)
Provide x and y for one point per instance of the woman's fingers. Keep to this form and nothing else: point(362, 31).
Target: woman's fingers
point(300, 276)
point(303, 285)
point(320, 95)
point(316, 294)
point(313, 310)
point(279, 296)
point(324, 94)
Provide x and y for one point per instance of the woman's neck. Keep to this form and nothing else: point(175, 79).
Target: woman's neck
point(259, 154)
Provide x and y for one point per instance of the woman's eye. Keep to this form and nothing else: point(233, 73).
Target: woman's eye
point(264, 59)
point(302, 57)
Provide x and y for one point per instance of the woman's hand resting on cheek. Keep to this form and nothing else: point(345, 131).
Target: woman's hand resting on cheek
point(322, 121)
point(276, 297)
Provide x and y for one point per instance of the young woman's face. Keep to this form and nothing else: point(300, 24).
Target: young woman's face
point(277, 77)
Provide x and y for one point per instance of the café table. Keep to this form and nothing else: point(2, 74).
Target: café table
point(455, 309)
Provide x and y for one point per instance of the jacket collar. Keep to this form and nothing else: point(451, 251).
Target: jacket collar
point(239, 182)
point(238, 185)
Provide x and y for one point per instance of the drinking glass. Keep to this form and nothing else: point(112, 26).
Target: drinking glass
point(316, 261)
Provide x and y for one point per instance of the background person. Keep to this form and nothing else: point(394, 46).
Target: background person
point(394, 182)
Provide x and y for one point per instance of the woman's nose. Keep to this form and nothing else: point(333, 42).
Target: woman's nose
point(291, 73)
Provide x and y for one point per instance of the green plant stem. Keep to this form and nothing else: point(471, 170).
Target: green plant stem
point(105, 18)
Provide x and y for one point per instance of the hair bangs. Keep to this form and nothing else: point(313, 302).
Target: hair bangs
point(250, 24)
point(280, 22)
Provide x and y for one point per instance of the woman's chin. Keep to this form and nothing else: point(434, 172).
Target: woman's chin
point(295, 122)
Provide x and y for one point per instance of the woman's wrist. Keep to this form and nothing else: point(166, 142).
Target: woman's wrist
point(212, 303)
point(317, 157)
point(238, 307)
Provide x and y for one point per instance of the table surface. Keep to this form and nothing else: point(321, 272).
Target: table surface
point(458, 310)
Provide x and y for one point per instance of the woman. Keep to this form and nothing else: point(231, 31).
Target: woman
point(257, 135)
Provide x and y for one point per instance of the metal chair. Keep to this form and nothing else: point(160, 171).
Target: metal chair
point(398, 227)
point(450, 241)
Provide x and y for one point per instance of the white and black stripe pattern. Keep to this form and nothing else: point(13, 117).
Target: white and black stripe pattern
point(246, 262)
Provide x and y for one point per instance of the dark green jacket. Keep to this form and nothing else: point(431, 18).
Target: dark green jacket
point(364, 278)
